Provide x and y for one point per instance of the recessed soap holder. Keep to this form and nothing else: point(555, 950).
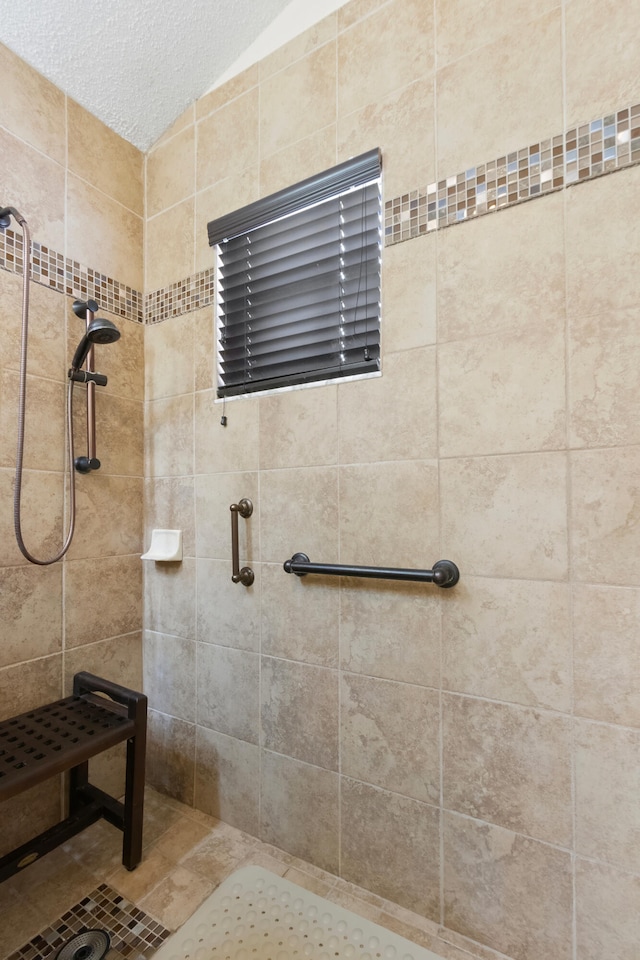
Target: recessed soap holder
point(166, 545)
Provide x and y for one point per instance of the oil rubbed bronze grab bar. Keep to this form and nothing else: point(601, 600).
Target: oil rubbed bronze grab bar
point(444, 574)
point(246, 575)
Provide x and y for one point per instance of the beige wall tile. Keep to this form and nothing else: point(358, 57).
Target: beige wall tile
point(170, 505)
point(402, 125)
point(506, 516)
point(32, 107)
point(30, 684)
point(409, 295)
point(30, 597)
point(299, 711)
point(204, 338)
point(170, 674)
point(235, 123)
point(228, 91)
point(299, 428)
point(299, 160)
point(41, 515)
point(238, 189)
point(391, 846)
point(119, 435)
point(223, 449)
point(44, 423)
point(102, 234)
point(510, 766)
point(34, 185)
point(355, 10)
point(299, 810)
point(398, 39)
point(391, 630)
point(169, 436)
point(506, 891)
point(103, 598)
point(214, 496)
point(391, 417)
point(380, 528)
point(299, 616)
point(529, 92)
point(24, 816)
point(509, 640)
point(169, 597)
point(227, 691)
point(492, 271)
point(97, 498)
point(606, 653)
point(603, 244)
point(169, 357)
point(595, 37)
point(603, 355)
point(170, 760)
point(171, 171)
point(227, 779)
point(390, 736)
point(607, 784)
point(313, 37)
point(608, 912)
point(122, 361)
point(298, 101)
point(118, 659)
point(462, 26)
point(299, 512)
point(103, 159)
point(46, 356)
point(170, 246)
point(503, 393)
point(605, 506)
point(227, 613)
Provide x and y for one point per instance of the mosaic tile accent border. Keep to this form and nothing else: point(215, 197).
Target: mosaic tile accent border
point(181, 297)
point(582, 153)
point(134, 934)
point(67, 276)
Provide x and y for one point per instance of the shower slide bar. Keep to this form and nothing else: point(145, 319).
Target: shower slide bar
point(444, 574)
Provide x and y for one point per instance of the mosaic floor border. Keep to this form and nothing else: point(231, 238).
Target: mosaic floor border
point(134, 934)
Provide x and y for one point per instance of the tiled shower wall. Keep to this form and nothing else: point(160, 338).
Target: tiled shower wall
point(472, 754)
point(80, 188)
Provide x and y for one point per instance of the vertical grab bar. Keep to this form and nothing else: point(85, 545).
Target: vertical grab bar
point(246, 575)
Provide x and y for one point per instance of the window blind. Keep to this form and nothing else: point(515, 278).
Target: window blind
point(299, 292)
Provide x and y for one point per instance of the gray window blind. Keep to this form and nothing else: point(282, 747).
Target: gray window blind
point(298, 282)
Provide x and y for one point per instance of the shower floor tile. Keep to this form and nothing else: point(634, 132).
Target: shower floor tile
point(134, 934)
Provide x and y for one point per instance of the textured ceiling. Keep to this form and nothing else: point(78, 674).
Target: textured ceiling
point(137, 64)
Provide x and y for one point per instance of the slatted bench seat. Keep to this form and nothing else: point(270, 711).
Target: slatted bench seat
point(64, 736)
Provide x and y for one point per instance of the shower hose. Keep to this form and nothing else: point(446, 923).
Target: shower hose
point(22, 393)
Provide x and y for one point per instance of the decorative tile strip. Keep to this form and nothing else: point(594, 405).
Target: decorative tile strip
point(189, 294)
point(56, 272)
point(582, 153)
point(134, 934)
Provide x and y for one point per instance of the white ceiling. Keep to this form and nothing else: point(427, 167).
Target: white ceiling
point(137, 64)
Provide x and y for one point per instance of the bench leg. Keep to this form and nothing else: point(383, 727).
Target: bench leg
point(134, 800)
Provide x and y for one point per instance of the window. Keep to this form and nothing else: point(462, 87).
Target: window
point(298, 282)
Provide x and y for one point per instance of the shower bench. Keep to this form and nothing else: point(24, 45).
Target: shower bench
point(63, 736)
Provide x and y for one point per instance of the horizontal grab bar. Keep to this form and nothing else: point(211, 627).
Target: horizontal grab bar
point(444, 574)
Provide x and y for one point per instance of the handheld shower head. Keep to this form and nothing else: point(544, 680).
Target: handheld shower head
point(6, 214)
point(99, 330)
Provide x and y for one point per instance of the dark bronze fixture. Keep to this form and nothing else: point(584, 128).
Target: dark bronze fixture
point(246, 575)
point(444, 574)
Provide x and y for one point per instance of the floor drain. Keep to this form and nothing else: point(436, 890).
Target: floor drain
point(88, 945)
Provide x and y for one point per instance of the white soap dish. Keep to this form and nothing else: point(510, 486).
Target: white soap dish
point(166, 545)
